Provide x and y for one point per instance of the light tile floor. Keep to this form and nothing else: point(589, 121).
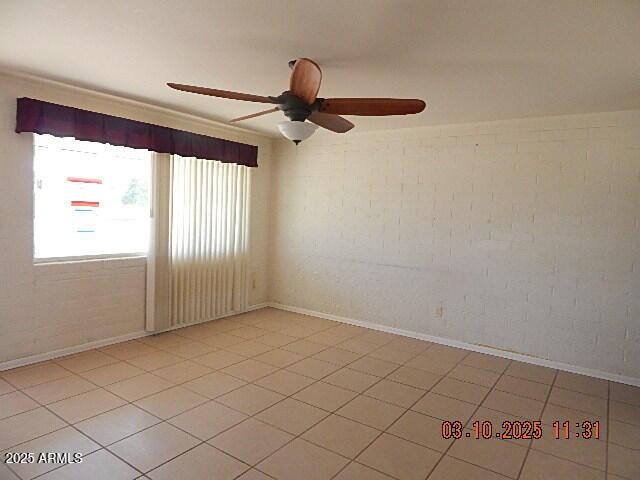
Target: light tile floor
point(273, 394)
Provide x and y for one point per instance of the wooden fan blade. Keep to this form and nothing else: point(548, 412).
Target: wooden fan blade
point(332, 122)
point(258, 114)
point(221, 93)
point(305, 80)
point(372, 106)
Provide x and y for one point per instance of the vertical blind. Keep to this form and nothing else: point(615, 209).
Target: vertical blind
point(208, 239)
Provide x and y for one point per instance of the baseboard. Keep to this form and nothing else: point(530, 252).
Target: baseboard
point(257, 306)
point(42, 357)
point(466, 346)
point(250, 308)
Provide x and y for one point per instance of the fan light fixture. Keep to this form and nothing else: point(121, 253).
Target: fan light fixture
point(296, 131)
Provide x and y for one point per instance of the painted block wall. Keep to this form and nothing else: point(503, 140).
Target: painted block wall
point(519, 235)
point(44, 308)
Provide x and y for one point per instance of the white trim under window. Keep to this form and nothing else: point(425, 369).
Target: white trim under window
point(88, 258)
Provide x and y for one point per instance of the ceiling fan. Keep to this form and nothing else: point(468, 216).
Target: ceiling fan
point(301, 103)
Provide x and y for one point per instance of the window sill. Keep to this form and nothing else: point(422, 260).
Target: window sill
point(89, 258)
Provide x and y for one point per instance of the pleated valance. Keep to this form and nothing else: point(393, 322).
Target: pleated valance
point(41, 117)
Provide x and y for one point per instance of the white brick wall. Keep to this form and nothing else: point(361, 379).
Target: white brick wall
point(526, 232)
point(77, 303)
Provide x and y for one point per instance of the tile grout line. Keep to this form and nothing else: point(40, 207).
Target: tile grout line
point(135, 433)
point(349, 460)
point(470, 417)
point(64, 421)
point(200, 443)
point(608, 426)
point(544, 407)
point(98, 387)
point(409, 409)
point(209, 400)
point(316, 381)
point(84, 435)
point(128, 403)
point(382, 432)
point(551, 454)
point(580, 411)
point(278, 368)
point(322, 380)
point(72, 425)
point(103, 447)
point(256, 339)
point(360, 393)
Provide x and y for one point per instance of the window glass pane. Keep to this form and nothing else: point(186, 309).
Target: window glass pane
point(90, 198)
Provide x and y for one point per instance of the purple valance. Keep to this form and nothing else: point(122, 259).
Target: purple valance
point(41, 117)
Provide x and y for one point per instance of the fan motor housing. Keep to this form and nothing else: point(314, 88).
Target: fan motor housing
point(295, 108)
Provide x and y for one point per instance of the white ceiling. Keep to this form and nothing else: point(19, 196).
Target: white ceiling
point(471, 60)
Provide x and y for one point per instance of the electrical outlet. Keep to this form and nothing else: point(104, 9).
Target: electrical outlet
point(439, 312)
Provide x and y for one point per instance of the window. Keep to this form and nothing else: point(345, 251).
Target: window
point(91, 199)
